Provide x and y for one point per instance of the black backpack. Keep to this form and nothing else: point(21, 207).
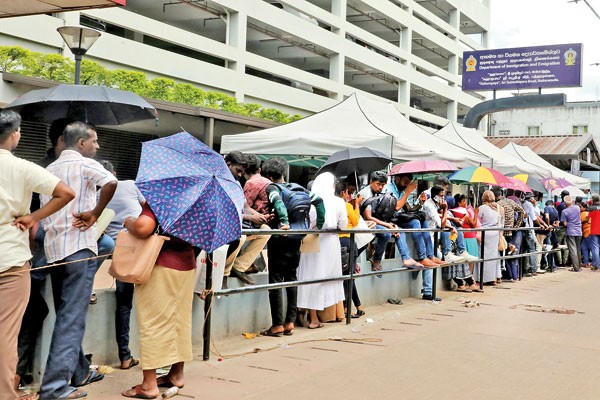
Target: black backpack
point(383, 206)
point(297, 202)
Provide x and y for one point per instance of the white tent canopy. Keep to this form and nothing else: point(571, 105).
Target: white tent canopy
point(355, 122)
point(470, 139)
point(525, 153)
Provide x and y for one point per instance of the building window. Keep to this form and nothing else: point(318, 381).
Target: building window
point(533, 131)
point(504, 132)
point(580, 129)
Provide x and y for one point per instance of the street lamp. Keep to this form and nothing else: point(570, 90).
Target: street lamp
point(79, 40)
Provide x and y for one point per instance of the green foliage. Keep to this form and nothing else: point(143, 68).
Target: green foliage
point(58, 68)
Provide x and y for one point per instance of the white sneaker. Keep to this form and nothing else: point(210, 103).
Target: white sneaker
point(468, 257)
point(453, 258)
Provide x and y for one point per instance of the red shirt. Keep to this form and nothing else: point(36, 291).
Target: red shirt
point(594, 216)
point(255, 191)
point(175, 253)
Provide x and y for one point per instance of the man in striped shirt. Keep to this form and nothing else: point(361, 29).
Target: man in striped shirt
point(71, 239)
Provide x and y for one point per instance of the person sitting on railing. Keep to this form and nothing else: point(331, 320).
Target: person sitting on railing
point(235, 264)
point(371, 211)
point(445, 242)
point(491, 216)
point(402, 186)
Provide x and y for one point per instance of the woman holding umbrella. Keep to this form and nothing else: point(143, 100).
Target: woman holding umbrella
point(164, 310)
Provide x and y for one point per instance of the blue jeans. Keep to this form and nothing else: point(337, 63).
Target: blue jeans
point(530, 245)
point(124, 293)
point(381, 241)
point(595, 243)
point(106, 245)
point(512, 265)
point(71, 300)
point(446, 243)
point(586, 248)
point(422, 240)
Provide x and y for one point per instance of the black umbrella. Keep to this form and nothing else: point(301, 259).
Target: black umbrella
point(357, 161)
point(94, 104)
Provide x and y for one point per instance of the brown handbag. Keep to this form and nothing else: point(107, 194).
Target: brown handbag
point(133, 258)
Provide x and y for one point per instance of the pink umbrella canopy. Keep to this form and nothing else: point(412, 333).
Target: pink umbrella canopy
point(516, 184)
point(422, 166)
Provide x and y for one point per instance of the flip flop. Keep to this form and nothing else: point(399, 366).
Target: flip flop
point(74, 394)
point(93, 376)
point(136, 393)
point(316, 327)
point(465, 290)
point(288, 332)
point(269, 332)
point(164, 381)
point(132, 363)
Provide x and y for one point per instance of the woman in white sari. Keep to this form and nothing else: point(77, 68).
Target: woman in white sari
point(327, 262)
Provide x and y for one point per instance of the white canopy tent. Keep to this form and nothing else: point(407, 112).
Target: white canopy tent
point(525, 153)
point(470, 139)
point(355, 122)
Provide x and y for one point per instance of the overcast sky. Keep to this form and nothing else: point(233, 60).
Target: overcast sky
point(520, 23)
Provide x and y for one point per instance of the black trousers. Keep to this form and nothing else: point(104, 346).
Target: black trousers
point(284, 257)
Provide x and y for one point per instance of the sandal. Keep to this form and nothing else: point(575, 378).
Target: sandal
point(164, 381)
point(269, 332)
point(476, 288)
point(74, 394)
point(359, 313)
point(320, 325)
point(29, 396)
point(132, 362)
point(464, 289)
point(93, 376)
point(136, 392)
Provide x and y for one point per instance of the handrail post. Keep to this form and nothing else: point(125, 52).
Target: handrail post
point(351, 266)
point(207, 308)
point(483, 260)
point(434, 272)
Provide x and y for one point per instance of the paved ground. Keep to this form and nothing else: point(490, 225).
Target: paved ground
point(505, 348)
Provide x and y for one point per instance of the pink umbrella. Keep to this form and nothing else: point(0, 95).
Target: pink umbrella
point(421, 166)
point(516, 184)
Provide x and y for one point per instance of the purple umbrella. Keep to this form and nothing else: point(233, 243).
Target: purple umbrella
point(191, 191)
point(555, 183)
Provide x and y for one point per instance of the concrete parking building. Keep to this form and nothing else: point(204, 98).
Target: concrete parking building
point(294, 55)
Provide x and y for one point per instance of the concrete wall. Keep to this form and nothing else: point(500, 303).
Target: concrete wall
point(231, 315)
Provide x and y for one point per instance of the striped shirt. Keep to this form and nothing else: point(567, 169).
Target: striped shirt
point(83, 175)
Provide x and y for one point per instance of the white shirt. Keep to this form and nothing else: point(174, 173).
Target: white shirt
point(18, 180)
point(83, 175)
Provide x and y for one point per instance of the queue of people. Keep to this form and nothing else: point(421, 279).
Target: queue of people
point(74, 190)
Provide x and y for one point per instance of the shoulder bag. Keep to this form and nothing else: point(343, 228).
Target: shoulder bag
point(133, 258)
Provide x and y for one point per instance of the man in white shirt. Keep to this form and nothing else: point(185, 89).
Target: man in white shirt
point(19, 179)
point(71, 239)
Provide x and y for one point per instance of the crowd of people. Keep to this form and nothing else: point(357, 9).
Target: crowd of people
point(57, 229)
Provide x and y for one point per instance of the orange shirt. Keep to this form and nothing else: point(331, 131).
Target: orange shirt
point(585, 226)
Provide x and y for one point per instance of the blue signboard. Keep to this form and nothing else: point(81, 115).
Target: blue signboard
point(522, 68)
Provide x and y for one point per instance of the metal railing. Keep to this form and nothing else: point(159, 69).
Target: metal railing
point(210, 293)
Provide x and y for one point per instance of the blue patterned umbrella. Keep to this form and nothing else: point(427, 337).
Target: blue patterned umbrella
point(191, 191)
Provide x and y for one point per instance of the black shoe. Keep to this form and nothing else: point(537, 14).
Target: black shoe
point(244, 277)
point(430, 297)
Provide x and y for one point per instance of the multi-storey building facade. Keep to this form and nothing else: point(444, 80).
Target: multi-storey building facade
point(300, 56)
